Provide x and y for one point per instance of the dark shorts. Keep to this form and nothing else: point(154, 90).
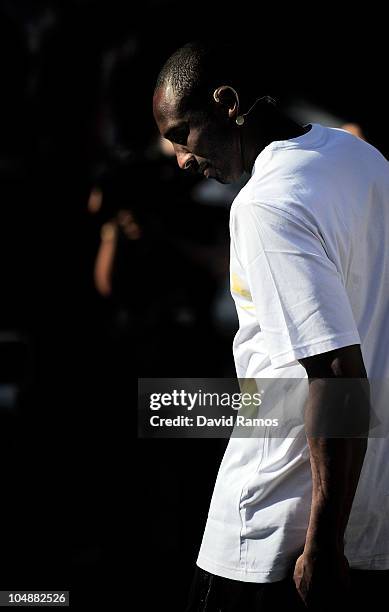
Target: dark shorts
point(209, 593)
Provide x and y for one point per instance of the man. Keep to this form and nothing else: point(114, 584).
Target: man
point(309, 276)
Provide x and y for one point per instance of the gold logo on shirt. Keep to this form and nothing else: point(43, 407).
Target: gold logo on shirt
point(238, 287)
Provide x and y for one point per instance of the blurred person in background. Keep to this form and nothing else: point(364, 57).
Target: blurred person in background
point(354, 129)
point(150, 269)
point(311, 295)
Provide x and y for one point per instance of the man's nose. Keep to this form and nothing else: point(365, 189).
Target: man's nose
point(185, 160)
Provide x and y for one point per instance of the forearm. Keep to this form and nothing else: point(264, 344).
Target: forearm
point(336, 465)
point(104, 259)
point(337, 412)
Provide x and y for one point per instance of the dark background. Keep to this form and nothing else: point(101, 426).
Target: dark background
point(85, 505)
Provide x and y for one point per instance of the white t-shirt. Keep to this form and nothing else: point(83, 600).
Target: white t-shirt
point(309, 274)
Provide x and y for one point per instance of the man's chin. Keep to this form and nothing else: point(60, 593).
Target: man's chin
point(222, 179)
point(228, 179)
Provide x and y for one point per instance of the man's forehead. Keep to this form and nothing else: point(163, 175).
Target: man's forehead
point(166, 111)
point(165, 101)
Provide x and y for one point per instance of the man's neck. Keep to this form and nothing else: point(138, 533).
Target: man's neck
point(261, 133)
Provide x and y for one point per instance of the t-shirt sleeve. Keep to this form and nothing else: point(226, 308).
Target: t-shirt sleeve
point(300, 300)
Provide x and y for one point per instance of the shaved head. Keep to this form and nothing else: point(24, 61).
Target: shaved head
point(195, 70)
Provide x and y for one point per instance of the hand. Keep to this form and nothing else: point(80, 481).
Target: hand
point(322, 580)
point(130, 227)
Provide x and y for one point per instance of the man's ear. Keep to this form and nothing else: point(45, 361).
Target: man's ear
point(226, 96)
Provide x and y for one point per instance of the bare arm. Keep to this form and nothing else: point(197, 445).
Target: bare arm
point(337, 412)
point(104, 259)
